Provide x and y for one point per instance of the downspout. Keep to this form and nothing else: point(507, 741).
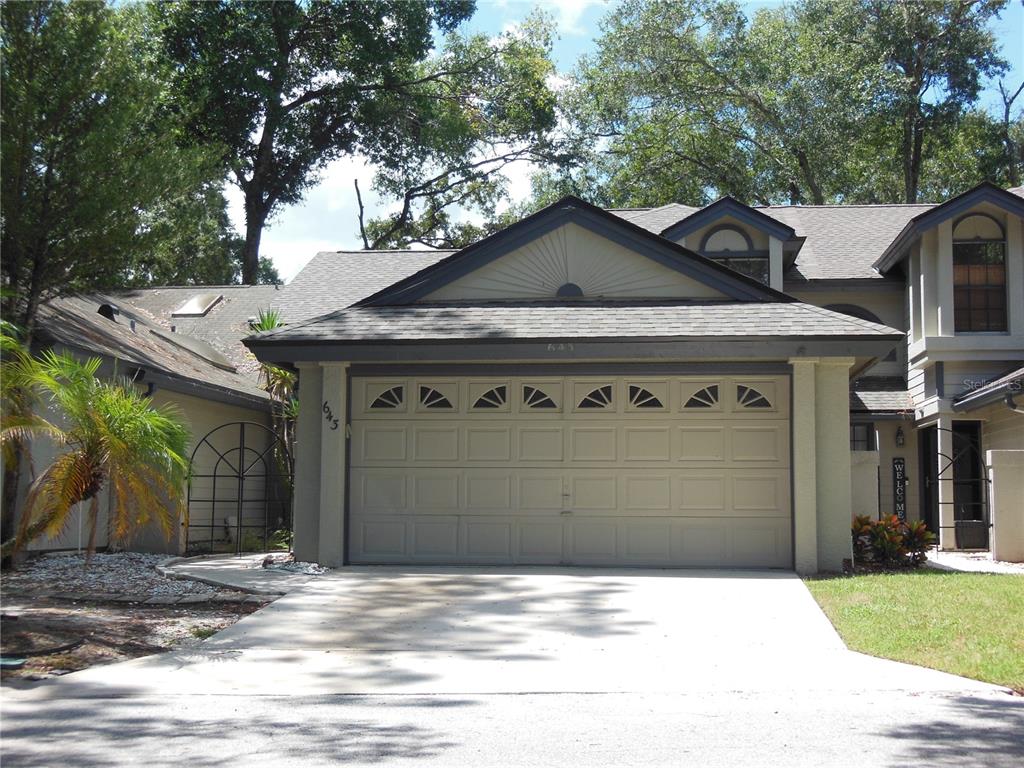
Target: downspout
point(1011, 404)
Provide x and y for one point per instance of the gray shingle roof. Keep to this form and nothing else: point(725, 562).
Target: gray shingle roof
point(333, 280)
point(881, 401)
point(223, 327)
point(75, 322)
point(539, 320)
point(841, 241)
point(658, 219)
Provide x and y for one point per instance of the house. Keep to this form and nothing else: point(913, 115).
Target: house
point(721, 386)
point(182, 347)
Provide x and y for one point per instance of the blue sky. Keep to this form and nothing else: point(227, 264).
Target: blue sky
point(326, 219)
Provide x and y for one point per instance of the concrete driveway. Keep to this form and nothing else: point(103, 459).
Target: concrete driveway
point(451, 666)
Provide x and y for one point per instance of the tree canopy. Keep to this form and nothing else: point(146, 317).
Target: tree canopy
point(284, 88)
point(818, 101)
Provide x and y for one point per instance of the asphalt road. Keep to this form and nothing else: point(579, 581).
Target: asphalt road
point(707, 729)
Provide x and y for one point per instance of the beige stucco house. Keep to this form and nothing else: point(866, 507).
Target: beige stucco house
point(182, 347)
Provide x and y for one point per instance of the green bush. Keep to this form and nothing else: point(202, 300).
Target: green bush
point(890, 542)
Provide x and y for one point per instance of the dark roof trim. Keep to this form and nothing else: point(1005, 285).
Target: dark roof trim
point(728, 206)
point(566, 350)
point(574, 210)
point(174, 382)
point(986, 192)
point(1011, 384)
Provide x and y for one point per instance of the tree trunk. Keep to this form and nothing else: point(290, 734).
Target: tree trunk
point(94, 514)
point(251, 253)
point(12, 479)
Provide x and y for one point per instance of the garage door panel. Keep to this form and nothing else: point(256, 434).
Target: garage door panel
point(646, 492)
point(488, 491)
point(647, 444)
point(594, 492)
point(496, 480)
point(381, 491)
point(380, 538)
point(540, 492)
point(540, 542)
point(436, 537)
point(593, 541)
point(587, 444)
point(435, 490)
point(488, 444)
point(487, 540)
point(702, 492)
point(380, 443)
point(702, 443)
point(541, 444)
point(435, 444)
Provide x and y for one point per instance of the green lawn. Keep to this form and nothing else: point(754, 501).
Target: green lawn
point(970, 624)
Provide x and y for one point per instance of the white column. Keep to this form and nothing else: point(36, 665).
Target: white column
point(805, 482)
point(1015, 275)
point(914, 295)
point(832, 444)
point(1006, 504)
point(306, 495)
point(944, 281)
point(333, 444)
point(929, 277)
point(947, 531)
point(775, 263)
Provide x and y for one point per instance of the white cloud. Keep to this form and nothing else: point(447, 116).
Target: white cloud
point(568, 14)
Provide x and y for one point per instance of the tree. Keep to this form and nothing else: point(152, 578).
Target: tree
point(286, 87)
point(87, 144)
point(938, 54)
point(114, 438)
point(279, 383)
point(821, 101)
point(192, 242)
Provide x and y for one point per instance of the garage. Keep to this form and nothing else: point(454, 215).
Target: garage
point(571, 470)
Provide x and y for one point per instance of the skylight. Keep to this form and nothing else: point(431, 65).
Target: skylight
point(198, 305)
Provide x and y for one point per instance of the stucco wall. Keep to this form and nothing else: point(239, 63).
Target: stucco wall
point(1001, 428)
point(306, 501)
point(864, 483)
point(200, 415)
point(832, 448)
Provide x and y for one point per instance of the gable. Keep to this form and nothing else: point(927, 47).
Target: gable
point(572, 239)
point(573, 256)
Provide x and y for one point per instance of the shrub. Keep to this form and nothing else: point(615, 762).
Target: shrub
point(890, 542)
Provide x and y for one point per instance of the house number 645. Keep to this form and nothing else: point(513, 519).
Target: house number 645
point(329, 416)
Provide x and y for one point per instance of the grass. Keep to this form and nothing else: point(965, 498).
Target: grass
point(204, 632)
point(969, 624)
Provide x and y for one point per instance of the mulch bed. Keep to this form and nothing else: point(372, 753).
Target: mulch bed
point(60, 616)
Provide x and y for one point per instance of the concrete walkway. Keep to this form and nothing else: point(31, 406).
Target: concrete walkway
point(971, 562)
point(243, 572)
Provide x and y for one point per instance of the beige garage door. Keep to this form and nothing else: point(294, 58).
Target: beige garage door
point(680, 471)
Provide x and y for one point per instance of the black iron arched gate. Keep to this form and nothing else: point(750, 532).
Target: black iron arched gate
point(239, 491)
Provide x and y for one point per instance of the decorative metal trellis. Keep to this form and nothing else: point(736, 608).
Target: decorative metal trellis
point(971, 519)
point(239, 491)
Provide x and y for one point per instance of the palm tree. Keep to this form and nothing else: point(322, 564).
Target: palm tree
point(114, 438)
point(280, 385)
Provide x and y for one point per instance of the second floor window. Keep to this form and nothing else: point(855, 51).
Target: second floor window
point(979, 282)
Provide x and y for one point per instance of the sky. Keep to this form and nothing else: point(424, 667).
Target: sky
point(327, 218)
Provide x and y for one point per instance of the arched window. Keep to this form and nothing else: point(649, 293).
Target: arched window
point(864, 314)
point(979, 274)
point(731, 246)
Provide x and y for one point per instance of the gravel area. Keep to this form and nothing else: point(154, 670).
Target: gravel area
point(287, 562)
point(107, 574)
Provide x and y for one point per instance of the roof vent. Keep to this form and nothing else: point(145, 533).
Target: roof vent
point(198, 305)
point(108, 311)
point(569, 290)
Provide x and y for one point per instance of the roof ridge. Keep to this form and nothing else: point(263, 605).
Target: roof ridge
point(848, 205)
